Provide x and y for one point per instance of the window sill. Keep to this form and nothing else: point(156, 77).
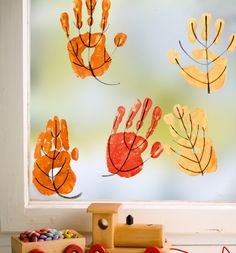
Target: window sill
point(5, 245)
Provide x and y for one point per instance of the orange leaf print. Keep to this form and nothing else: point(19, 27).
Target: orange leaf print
point(87, 52)
point(52, 173)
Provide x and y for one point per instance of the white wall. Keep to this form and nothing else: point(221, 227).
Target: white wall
point(10, 51)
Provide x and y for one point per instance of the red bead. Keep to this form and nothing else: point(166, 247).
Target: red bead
point(26, 239)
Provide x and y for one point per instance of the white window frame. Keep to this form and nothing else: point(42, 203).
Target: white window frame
point(202, 223)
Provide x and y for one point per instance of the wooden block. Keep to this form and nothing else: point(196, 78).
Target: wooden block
point(104, 233)
point(139, 235)
point(55, 246)
point(105, 217)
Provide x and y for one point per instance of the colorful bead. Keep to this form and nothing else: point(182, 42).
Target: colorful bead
point(26, 239)
point(49, 235)
point(70, 234)
point(45, 234)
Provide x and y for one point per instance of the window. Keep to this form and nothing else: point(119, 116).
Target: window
point(215, 219)
point(143, 70)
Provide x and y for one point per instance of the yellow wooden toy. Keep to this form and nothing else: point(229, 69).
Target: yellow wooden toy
point(110, 237)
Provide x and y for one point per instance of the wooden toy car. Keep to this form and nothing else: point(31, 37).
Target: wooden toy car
point(58, 246)
point(108, 236)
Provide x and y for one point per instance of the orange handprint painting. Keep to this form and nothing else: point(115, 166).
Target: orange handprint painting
point(125, 149)
point(98, 60)
point(52, 173)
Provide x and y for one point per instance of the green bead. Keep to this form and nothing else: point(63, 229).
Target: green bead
point(49, 235)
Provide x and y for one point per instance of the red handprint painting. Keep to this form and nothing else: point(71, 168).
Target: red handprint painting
point(87, 52)
point(52, 173)
point(125, 149)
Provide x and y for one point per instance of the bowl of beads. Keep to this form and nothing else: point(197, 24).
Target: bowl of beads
point(48, 240)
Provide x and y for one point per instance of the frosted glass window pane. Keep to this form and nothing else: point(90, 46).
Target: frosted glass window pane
point(142, 69)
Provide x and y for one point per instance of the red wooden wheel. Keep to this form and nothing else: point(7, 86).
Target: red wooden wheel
point(152, 249)
point(36, 251)
point(73, 249)
point(97, 248)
